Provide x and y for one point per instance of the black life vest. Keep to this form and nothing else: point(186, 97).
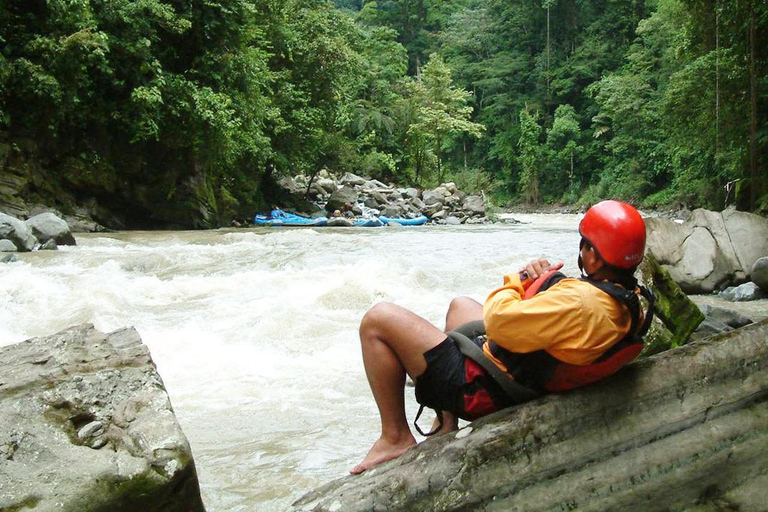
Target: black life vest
point(542, 372)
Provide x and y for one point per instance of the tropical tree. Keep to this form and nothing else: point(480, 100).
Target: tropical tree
point(442, 112)
point(529, 156)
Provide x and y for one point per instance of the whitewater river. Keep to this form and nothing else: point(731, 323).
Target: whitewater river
point(254, 331)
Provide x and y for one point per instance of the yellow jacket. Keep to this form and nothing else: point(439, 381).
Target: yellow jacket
point(573, 320)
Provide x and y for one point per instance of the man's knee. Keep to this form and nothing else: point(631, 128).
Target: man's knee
point(378, 316)
point(461, 303)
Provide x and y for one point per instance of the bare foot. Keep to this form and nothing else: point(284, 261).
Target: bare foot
point(382, 451)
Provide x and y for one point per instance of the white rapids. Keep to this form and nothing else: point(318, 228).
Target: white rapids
point(254, 331)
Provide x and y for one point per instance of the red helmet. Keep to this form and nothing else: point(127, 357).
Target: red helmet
point(616, 231)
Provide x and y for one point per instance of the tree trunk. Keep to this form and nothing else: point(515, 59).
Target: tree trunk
point(753, 109)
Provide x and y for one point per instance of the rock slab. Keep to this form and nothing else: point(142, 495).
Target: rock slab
point(711, 250)
point(86, 425)
point(682, 430)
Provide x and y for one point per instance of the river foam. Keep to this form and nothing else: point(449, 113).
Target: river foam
point(255, 331)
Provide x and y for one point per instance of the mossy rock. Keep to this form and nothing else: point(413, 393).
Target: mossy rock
point(677, 316)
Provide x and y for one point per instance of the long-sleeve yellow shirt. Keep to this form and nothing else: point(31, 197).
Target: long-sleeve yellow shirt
point(573, 320)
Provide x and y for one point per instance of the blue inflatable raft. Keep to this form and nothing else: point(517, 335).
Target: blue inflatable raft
point(281, 218)
point(417, 221)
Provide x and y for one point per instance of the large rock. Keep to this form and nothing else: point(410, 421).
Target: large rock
point(682, 430)
point(743, 292)
point(711, 250)
point(340, 197)
point(352, 180)
point(47, 226)
point(718, 320)
point(86, 425)
point(434, 196)
point(17, 232)
point(676, 316)
point(474, 205)
point(760, 273)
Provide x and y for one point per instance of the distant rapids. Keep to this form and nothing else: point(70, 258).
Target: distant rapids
point(254, 331)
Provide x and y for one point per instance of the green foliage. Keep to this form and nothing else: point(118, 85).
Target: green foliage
point(528, 146)
point(441, 111)
point(205, 103)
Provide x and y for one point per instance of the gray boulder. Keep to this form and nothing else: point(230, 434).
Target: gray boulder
point(719, 320)
point(8, 258)
point(743, 292)
point(474, 205)
point(394, 210)
point(434, 196)
point(350, 179)
point(86, 425)
point(327, 185)
point(709, 251)
point(683, 430)
point(759, 273)
point(340, 197)
point(47, 226)
point(17, 232)
point(7, 246)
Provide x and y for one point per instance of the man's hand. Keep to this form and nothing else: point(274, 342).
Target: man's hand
point(536, 268)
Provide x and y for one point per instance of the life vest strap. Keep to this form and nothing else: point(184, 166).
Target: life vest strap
point(512, 388)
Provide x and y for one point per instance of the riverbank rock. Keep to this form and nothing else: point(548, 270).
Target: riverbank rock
point(682, 430)
point(17, 232)
point(86, 425)
point(759, 273)
point(743, 292)
point(711, 250)
point(47, 226)
point(718, 320)
point(676, 316)
point(44, 231)
point(439, 204)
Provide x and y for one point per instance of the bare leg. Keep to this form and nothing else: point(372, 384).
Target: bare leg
point(461, 311)
point(393, 340)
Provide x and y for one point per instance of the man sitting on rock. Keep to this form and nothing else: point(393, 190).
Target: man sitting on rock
point(543, 332)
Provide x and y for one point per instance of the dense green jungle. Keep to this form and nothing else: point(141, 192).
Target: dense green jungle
point(185, 113)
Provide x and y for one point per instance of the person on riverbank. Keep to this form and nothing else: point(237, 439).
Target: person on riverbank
point(573, 324)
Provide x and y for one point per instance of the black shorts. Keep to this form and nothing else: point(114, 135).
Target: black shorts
point(449, 384)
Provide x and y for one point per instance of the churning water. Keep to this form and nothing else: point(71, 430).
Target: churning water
point(254, 331)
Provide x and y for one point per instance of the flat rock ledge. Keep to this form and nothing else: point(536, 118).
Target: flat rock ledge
point(86, 425)
point(686, 429)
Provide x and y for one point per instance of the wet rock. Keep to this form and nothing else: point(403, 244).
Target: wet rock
point(682, 430)
point(8, 258)
point(743, 292)
point(86, 424)
point(7, 246)
point(47, 226)
point(17, 232)
point(50, 245)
